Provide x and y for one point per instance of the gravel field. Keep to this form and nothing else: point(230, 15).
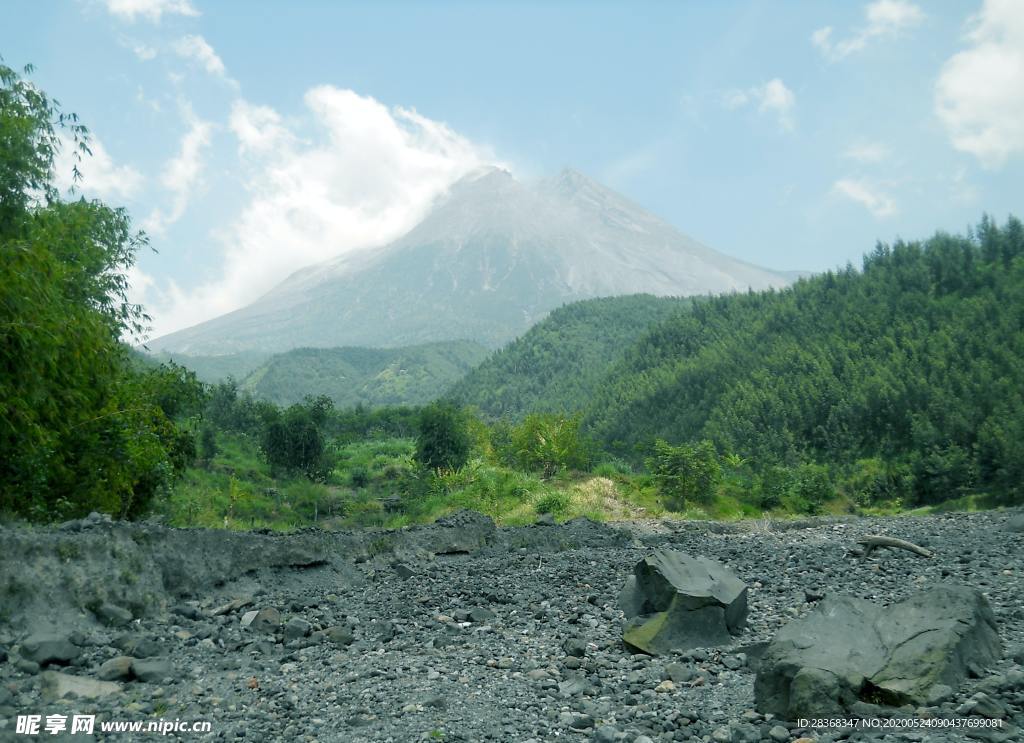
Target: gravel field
point(508, 635)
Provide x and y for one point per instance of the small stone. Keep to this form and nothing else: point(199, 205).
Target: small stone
point(57, 685)
point(152, 670)
point(403, 571)
point(642, 739)
point(721, 735)
point(436, 701)
point(813, 594)
point(581, 722)
point(384, 631)
point(137, 646)
point(732, 662)
point(679, 672)
point(480, 615)
point(338, 635)
point(25, 665)
point(575, 647)
point(113, 616)
point(188, 611)
point(742, 732)
point(665, 687)
point(296, 628)
point(538, 674)
point(606, 734)
point(265, 620)
point(778, 733)
point(116, 669)
point(233, 605)
point(982, 705)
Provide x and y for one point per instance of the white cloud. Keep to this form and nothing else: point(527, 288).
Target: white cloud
point(181, 174)
point(143, 52)
point(773, 97)
point(197, 49)
point(885, 19)
point(979, 95)
point(151, 10)
point(259, 129)
point(100, 176)
point(366, 177)
point(867, 195)
point(867, 152)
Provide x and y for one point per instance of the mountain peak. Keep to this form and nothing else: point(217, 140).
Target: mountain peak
point(572, 184)
point(483, 178)
point(492, 257)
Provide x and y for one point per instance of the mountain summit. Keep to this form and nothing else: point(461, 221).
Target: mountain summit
point(491, 258)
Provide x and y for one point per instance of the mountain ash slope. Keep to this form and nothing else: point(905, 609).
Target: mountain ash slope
point(492, 258)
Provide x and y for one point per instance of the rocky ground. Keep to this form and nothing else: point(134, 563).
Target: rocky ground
point(458, 632)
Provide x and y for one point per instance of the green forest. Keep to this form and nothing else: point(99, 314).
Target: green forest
point(907, 375)
point(892, 387)
point(558, 365)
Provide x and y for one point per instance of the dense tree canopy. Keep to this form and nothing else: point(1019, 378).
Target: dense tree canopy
point(557, 366)
point(80, 427)
point(916, 361)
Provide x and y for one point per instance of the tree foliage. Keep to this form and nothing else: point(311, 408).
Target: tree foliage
point(443, 440)
point(292, 441)
point(917, 361)
point(549, 442)
point(686, 473)
point(80, 427)
point(558, 365)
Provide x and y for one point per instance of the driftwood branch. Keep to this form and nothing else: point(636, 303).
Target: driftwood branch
point(872, 542)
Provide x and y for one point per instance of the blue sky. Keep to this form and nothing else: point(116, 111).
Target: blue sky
point(251, 138)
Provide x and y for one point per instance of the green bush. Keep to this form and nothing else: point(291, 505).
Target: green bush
point(292, 442)
point(686, 472)
point(548, 442)
point(555, 503)
point(359, 477)
point(443, 441)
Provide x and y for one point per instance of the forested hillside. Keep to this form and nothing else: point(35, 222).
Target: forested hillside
point(411, 375)
point(213, 369)
point(908, 375)
point(559, 363)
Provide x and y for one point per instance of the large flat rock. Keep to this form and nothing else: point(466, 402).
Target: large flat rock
point(850, 650)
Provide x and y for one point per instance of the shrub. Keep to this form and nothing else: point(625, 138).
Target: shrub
point(443, 441)
point(547, 443)
point(359, 477)
point(556, 503)
point(686, 472)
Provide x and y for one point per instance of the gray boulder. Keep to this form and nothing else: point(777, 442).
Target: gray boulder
point(675, 602)
point(45, 648)
point(137, 646)
point(850, 651)
point(113, 615)
point(296, 628)
point(152, 670)
point(116, 669)
point(1015, 523)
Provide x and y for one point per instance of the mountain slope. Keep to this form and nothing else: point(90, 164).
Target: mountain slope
point(492, 258)
point(216, 368)
point(412, 375)
point(916, 363)
point(559, 363)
